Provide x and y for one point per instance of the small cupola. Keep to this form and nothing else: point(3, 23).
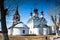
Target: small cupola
point(31, 14)
point(42, 15)
point(35, 12)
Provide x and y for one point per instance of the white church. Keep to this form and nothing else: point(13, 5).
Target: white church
point(36, 25)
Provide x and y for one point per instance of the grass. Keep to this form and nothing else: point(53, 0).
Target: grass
point(40, 37)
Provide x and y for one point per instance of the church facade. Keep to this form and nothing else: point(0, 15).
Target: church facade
point(18, 27)
point(38, 25)
point(35, 25)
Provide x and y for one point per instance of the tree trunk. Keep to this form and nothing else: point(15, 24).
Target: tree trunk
point(4, 28)
point(3, 21)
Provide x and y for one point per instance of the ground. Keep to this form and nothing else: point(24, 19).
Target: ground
point(40, 37)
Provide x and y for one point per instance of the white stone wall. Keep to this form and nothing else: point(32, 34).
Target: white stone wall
point(41, 31)
point(30, 24)
point(9, 32)
point(53, 29)
point(36, 31)
point(31, 31)
point(45, 31)
point(19, 31)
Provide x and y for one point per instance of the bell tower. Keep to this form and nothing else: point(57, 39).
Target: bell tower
point(16, 17)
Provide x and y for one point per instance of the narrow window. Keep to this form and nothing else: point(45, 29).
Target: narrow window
point(23, 31)
point(16, 17)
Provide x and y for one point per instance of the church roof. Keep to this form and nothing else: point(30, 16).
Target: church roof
point(21, 25)
point(42, 19)
point(44, 26)
point(16, 12)
point(33, 18)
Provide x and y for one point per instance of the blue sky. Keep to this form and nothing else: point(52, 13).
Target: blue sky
point(27, 6)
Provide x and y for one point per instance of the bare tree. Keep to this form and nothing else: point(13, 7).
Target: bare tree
point(4, 12)
point(53, 14)
point(3, 21)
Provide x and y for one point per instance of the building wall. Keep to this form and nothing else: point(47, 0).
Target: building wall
point(45, 31)
point(41, 31)
point(31, 31)
point(9, 31)
point(30, 24)
point(53, 29)
point(36, 31)
point(19, 31)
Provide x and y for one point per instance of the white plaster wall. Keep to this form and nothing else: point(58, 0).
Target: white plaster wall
point(19, 31)
point(31, 31)
point(30, 24)
point(53, 29)
point(41, 31)
point(36, 31)
point(26, 31)
point(9, 32)
point(45, 31)
point(16, 31)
